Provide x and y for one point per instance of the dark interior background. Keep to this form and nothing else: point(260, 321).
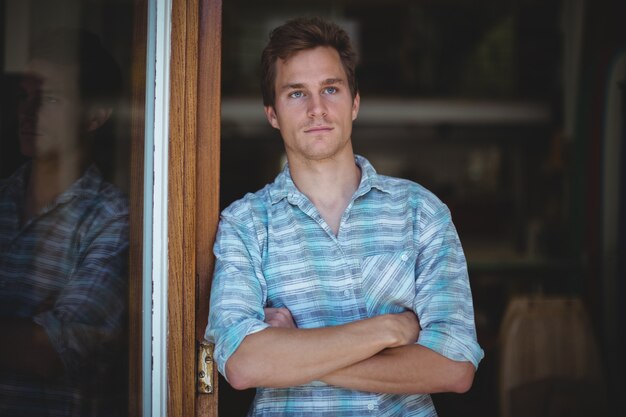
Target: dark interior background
point(507, 110)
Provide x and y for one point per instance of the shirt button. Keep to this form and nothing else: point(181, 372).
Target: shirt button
point(346, 293)
point(404, 257)
point(370, 406)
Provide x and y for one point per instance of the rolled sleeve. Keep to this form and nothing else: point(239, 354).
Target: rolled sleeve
point(443, 299)
point(237, 294)
point(228, 339)
point(86, 323)
point(457, 347)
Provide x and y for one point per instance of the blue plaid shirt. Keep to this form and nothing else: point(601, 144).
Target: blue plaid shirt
point(66, 270)
point(396, 250)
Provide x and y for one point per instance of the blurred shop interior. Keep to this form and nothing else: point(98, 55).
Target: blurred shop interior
point(512, 112)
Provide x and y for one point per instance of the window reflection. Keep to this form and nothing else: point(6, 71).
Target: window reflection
point(64, 218)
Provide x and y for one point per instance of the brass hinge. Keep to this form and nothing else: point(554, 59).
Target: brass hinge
point(205, 368)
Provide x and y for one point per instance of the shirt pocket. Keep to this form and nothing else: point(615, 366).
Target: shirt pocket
point(388, 282)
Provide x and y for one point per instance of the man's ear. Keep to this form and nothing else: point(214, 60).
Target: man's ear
point(96, 117)
point(355, 106)
point(270, 113)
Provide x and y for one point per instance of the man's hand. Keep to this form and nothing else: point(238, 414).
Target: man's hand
point(406, 328)
point(279, 317)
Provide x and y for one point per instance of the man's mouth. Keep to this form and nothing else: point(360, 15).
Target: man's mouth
point(28, 129)
point(315, 129)
point(27, 132)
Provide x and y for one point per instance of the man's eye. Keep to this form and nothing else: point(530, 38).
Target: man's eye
point(51, 99)
point(296, 94)
point(330, 90)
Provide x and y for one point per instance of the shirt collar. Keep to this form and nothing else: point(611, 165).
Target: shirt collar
point(284, 186)
point(369, 177)
point(89, 184)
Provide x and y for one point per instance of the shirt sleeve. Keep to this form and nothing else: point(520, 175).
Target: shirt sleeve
point(238, 291)
point(443, 300)
point(86, 323)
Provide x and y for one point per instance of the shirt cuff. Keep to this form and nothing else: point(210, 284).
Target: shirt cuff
point(465, 349)
point(228, 339)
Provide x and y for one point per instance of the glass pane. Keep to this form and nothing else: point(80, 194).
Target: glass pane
point(65, 181)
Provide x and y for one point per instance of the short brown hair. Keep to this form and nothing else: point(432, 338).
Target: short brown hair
point(100, 77)
point(298, 35)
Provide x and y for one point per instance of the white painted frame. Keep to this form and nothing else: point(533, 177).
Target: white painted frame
point(154, 326)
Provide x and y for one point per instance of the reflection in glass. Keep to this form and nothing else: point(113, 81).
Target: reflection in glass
point(64, 226)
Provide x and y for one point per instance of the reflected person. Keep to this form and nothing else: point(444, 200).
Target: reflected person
point(337, 291)
point(63, 238)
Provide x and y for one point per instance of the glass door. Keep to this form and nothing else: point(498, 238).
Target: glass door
point(109, 162)
point(72, 128)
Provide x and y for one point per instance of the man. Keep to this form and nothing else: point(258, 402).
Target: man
point(337, 291)
point(63, 239)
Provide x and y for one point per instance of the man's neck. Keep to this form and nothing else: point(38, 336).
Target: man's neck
point(48, 179)
point(329, 184)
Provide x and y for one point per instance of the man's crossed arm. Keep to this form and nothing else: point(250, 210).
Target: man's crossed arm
point(377, 354)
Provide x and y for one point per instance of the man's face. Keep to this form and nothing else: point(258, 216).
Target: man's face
point(314, 109)
point(49, 110)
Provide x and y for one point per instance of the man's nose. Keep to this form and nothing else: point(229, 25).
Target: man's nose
point(317, 106)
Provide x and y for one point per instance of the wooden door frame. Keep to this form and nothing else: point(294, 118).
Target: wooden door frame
point(193, 194)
